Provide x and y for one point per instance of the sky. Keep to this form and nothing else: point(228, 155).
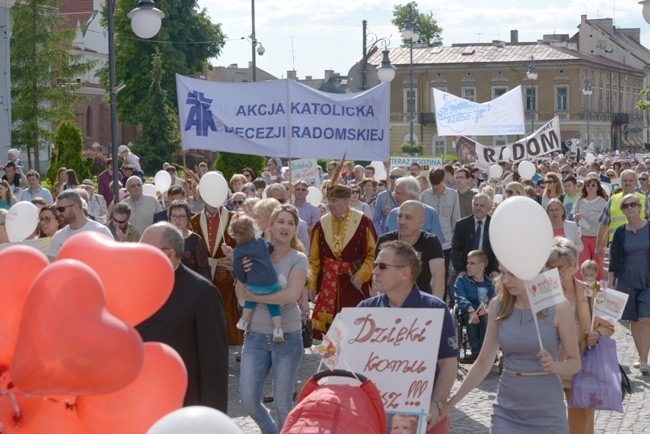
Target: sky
point(311, 36)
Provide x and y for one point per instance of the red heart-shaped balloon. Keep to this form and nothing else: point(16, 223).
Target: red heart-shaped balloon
point(137, 278)
point(22, 263)
point(68, 343)
point(158, 390)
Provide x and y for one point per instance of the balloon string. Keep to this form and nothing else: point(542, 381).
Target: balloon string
point(17, 416)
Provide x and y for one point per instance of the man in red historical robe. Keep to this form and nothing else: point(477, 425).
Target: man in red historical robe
point(340, 259)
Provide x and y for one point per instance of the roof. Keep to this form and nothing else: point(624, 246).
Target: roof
point(464, 54)
point(75, 11)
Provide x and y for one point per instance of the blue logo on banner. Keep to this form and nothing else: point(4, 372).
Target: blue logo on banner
point(200, 115)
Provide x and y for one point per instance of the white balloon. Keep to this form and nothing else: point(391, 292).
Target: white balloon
point(380, 170)
point(521, 236)
point(498, 198)
point(21, 221)
point(214, 189)
point(590, 158)
point(600, 157)
point(149, 190)
point(195, 420)
point(496, 171)
point(526, 169)
point(314, 195)
point(506, 154)
point(163, 181)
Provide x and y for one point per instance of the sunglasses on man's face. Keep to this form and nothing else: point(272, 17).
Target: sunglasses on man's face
point(238, 202)
point(383, 265)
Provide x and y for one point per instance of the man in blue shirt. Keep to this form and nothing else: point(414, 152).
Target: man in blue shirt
point(396, 269)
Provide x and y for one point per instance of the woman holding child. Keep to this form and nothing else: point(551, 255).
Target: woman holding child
point(564, 257)
point(260, 355)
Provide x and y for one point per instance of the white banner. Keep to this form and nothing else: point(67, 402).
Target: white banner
point(395, 348)
point(283, 118)
point(610, 303)
point(543, 141)
point(424, 162)
point(545, 290)
point(456, 116)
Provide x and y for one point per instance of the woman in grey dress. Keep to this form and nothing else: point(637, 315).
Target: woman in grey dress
point(629, 267)
point(530, 396)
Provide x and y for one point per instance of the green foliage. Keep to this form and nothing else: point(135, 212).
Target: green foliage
point(229, 164)
point(68, 147)
point(43, 72)
point(643, 103)
point(184, 24)
point(160, 138)
point(425, 24)
point(415, 148)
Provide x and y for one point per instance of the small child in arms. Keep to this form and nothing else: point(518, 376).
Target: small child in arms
point(261, 279)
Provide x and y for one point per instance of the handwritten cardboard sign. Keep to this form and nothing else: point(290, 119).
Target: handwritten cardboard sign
point(395, 348)
point(305, 169)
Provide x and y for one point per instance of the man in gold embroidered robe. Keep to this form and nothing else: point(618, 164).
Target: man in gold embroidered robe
point(341, 259)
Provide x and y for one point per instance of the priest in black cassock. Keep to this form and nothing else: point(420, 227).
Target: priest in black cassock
point(192, 322)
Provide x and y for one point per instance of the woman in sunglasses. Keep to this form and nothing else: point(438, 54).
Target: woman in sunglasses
point(586, 211)
point(561, 226)
point(629, 272)
point(553, 189)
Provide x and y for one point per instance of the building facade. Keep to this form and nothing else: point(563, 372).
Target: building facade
point(611, 60)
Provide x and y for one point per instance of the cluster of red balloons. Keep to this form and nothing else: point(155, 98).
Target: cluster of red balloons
point(70, 360)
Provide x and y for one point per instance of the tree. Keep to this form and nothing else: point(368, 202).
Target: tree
point(44, 71)
point(68, 148)
point(160, 136)
point(190, 40)
point(229, 164)
point(426, 26)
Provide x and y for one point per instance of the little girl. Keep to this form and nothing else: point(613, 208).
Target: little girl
point(261, 279)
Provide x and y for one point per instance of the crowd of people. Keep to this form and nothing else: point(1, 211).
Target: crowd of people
point(411, 239)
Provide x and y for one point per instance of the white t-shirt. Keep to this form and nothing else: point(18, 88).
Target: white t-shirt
point(62, 235)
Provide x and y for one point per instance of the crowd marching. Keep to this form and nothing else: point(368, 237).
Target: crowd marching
point(413, 238)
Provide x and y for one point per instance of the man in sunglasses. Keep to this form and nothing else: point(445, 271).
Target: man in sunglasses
point(395, 272)
point(69, 207)
point(120, 226)
point(307, 211)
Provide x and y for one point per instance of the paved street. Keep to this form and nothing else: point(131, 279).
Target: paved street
point(473, 414)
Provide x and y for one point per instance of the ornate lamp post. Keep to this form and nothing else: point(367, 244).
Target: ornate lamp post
point(410, 34)
point(145, 23)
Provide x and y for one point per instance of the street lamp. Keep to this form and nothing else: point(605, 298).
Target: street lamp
point(385, 71)
point(5, 76)
point(385, 68)
point(646, 10)
point(254, 43)
point(532, 76)
point(145, 22)
point(410, 34)
point(587, 90)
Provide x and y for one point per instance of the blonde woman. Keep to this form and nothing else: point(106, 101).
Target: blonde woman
point(553, 189)
point(529, 397)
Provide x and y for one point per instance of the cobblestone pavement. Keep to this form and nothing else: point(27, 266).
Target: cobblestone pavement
point(473, 414)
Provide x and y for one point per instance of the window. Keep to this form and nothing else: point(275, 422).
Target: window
point(497, 91)
point(89, 122)
point(410, 103)
point(469, 93)
point(531, 98)
point(500, 140)
point(439, 145)
point(561, 98)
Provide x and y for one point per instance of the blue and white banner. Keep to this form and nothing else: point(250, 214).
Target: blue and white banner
point(456, 116)
point(283, 118)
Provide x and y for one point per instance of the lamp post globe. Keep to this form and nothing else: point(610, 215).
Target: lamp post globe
point(646, 10)
point(385, 71)
point(146, 19)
